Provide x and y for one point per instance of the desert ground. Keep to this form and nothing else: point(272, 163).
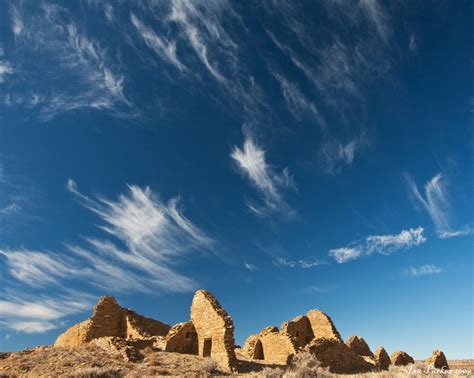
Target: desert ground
point(93, 361)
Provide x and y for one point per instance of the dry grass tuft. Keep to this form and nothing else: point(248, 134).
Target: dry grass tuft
point(97, 373)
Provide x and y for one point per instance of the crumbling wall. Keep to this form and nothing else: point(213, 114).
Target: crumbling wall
point(382, 358)
point(277, 348)
point(322, 325)
point(215, 329)
point(400, 358)
point(338, 357)
point(182, 338)
point(299, 330)
point(106, 320)
point(359, 346)
point(138, 326)
point(111, 320)
point(438, 360)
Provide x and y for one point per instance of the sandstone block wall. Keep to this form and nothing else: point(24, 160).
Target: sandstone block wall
point(359, 346)
point(182, 338)
point(215, 329)
point(338, 357)
point(138, 326)
point(438, 360)
point(322, 325)
point(382, 358)
point(401, 358)
point(109, 319)
point(299, 330)
point(277, 348)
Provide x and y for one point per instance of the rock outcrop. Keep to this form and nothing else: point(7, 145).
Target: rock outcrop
point(338, 357)
point(359, 346)
point(382, 359)
point(438, 360)
point(215, 330)
point(109, 319)
point(401, 358)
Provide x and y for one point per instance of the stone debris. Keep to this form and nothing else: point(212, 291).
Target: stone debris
point(215, 330)
point(438, 360)
point(401, 358)
point(128, 349)
point(382, 358)
point(359, 346)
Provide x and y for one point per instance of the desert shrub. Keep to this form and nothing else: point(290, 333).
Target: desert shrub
point(97, 373)
point(305, 364)
point(269, 372)
point(209, 366)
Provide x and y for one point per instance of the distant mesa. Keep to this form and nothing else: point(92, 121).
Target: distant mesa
point(210, 333)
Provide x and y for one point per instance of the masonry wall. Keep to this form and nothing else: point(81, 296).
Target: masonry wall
point(215, 329)
point(299, 330)
point(322, 325)
point(138, 326)
point(277, 348)
point(182, 338)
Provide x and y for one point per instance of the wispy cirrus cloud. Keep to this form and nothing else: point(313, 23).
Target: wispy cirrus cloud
point(336, 155)
point(383, 244)
point(466, 230)
point(251, 161)
point(79, 60)
point(434, 200)
point(28, 314)
point(305, 263)
point(422, 270)
point(144, 240)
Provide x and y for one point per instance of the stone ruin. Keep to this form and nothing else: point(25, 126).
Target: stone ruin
point(111, 320)
point(314, 332)
point(214, 328)
point(382, 359)
point(400, 358)
point(210, 333)
point(438, 360)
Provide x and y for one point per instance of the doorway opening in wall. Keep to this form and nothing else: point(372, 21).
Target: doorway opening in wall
point(206, 348)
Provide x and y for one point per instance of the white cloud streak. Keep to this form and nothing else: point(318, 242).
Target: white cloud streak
point(337, 155)
point(383, 244)
point(30, 314)
point(306, 263)
point(422, 270)
point(251, 161)
point(435, 200)
point(466, 230)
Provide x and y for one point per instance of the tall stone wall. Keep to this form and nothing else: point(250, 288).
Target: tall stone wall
point(215, 329)
point(322, 325)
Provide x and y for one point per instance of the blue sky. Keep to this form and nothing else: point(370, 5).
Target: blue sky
point(283, 156)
